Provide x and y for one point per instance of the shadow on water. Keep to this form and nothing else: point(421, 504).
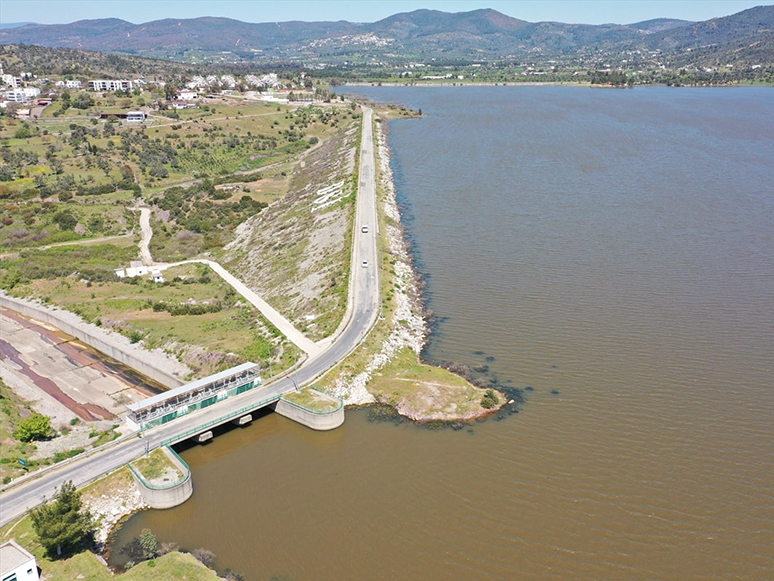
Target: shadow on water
point(181, 447)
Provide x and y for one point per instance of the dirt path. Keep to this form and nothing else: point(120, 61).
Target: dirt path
point(147, 234)
point(286, 327)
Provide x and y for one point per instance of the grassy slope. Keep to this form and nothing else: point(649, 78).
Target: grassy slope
point(87, 566)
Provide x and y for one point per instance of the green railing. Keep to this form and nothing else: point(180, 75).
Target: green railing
point(220, 420)
point(147, 484)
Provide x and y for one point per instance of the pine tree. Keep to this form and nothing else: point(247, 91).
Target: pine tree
point(62, 525)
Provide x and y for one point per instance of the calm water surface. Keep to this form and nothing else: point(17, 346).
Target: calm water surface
point(615, 248)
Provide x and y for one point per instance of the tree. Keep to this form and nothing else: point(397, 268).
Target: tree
point(82, 101)
point(149, 544)
point(23, 132)
point(65, 220)
point(62, 525)
point(35, 427)
point(204, 556)
point(170, 91)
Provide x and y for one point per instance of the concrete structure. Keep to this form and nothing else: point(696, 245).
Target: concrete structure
point(243, 420)
point(199, 394)
point(317, 420)
point(166, 495)
point(136, 268)
point(111, 85)
point(17, 564)
point(69, 84)
point(22, 95)
point(40, 313)
point(10, 80)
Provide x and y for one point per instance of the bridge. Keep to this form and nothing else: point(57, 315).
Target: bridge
point(362, 311)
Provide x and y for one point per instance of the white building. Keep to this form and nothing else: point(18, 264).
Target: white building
point(187, 95)
point(111, 85)
point(10, 80)
point(22, 95)
point(135, 116)
point(136, 268)
point(17, 564)
point(69, 84)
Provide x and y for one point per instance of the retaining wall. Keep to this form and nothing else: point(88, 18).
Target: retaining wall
point(314, 419)
point(169, 496)
point(112, 349)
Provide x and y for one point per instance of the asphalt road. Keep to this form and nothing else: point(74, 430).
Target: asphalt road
point(364, 309)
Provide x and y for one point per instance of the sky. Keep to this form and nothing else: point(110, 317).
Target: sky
point(570, 11)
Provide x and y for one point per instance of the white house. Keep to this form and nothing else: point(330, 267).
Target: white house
point(135, 116)
point(111, 85)
point(187, 95)
point(17, 564)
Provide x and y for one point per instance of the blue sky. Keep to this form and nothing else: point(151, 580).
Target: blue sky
point(575, 11)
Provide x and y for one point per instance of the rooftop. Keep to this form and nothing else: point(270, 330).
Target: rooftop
point(12, 556)
point(193, 385)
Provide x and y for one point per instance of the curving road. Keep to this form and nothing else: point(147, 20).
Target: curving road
point(362, 312)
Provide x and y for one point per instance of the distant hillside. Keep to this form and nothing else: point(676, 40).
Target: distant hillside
point(479, 35)
point(659, 24)
point(4, 25)
point(45, 61)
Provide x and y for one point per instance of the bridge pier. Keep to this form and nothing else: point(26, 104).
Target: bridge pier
point(241, 421)
point(204, 436)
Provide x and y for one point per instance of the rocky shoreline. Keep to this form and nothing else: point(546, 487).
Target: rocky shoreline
point(410, 328)
point(409, 307)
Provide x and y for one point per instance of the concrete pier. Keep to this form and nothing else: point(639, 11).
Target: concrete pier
point(241, 421)
point(166, 495)
point(311, 418)
point(204, 436)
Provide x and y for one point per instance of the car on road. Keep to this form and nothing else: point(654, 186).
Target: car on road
point(364, 229)
point(365, 264)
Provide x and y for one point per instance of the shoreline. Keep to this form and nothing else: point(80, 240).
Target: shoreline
point(546, 84)
point(409, 326)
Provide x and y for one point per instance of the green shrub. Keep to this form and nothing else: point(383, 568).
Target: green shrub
point(35, 427)
point(60, 456)
point(490, 399)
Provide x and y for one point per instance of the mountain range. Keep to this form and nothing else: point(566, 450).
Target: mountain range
point(421, 35)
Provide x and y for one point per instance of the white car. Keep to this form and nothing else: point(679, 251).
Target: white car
point(364, 229)
point(365, 264)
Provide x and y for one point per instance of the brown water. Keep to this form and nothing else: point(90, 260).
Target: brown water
point(613, 250)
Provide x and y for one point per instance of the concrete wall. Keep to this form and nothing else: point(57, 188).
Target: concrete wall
point(166, 497)
point(311, 419)
point(112, 349)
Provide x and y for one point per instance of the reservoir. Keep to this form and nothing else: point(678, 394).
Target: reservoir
point(611, 250)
